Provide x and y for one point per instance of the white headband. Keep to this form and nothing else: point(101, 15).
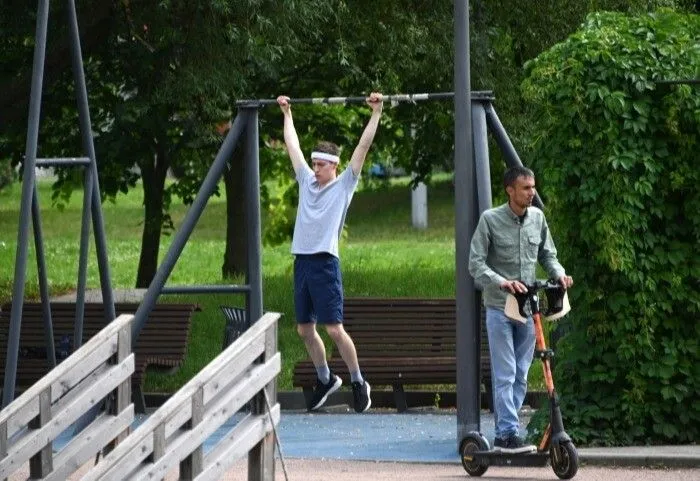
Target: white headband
point(324, 156)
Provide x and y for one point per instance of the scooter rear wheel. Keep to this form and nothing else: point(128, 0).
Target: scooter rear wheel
point(470, 444)
point(564, 459)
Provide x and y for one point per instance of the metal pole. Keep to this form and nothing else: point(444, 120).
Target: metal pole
point(8, 392)
point(63, 162)
point(393, 99)
point(481, 156)
point(43, 281)
point(82, 261)
point(252, 210)
point(261, 458)
point(509, 153)
point(207, 289)
point(188, 224)
point(92, 186)
point(468, 389)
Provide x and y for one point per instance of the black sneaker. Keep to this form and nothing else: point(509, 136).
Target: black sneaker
point(360, 396)
point(322, 391)
point(515, 445)
point(500, 444)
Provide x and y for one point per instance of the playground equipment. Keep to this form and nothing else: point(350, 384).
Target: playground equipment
point(472, 195)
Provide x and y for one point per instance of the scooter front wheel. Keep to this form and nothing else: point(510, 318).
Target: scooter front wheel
point(470, 444)
point(564, 459)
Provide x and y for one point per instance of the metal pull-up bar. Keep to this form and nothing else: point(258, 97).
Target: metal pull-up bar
point(396, 98)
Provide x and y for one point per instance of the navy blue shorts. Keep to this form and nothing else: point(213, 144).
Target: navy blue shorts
point(318, 289)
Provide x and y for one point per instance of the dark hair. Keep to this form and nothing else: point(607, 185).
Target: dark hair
point(512, 174)
point(327, 147)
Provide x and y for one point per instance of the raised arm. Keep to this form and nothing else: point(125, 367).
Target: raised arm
point(358, 156)
point(291, 139)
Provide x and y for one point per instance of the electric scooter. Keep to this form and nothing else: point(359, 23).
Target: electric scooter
point(556, 446)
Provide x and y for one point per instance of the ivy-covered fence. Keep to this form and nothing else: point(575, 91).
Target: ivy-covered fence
point(617, 157)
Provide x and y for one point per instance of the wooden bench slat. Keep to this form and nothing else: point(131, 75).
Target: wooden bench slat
point(162, 342)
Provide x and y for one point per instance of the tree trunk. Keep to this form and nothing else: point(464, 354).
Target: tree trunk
point(153, 177)
point(235, 254)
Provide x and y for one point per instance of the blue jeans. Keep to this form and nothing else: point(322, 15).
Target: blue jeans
point(512, 345)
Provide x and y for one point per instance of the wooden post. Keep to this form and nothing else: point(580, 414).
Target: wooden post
point(193, 465)
point(261, 459)
point(41, 464)
point(3, 442)
point(122, 396)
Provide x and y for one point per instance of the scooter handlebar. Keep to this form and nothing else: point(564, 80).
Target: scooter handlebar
point(554, 292)
point(538, 285)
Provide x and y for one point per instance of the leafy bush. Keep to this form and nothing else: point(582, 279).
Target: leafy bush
point(616, 154)
point(7, 175)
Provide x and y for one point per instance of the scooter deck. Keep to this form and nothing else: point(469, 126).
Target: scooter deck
point(500, 458)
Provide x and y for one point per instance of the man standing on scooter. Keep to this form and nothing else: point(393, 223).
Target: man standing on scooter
point(508, 243)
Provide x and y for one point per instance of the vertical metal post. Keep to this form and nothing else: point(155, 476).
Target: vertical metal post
point(82, 261)
point(92, 188)
point(468, 389)
point(188, 225)
point(481, 156)
point(43, 281)
point(261, 458)
point(8, 392)
point(252, 210)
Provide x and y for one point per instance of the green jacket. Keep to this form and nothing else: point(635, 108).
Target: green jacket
point(504, 249)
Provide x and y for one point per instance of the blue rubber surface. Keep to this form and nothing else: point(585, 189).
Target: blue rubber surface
point(410, 437)
point(376, 437)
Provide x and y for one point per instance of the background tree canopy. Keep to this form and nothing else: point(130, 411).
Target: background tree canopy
point(162, 75)
point(616, 157)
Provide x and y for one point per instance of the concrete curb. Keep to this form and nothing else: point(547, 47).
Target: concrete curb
point(642, 456)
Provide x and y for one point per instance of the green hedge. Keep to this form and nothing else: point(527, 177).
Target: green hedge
point(617, 156)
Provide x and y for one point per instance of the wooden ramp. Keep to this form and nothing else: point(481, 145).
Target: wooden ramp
point(92, 387)
point(97, 374)
point(172, 438)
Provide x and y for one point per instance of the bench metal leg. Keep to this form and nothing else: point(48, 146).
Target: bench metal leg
point(308, 394)
point(138, 399)
point(400, 398)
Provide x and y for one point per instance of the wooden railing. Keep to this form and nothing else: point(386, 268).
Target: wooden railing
point(99, 370)
point(174, 435)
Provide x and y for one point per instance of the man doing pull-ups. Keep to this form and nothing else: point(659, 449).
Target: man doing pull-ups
point(324, 198)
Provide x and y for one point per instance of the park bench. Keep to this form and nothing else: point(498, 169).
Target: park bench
point(162, 343)
point(400, 342)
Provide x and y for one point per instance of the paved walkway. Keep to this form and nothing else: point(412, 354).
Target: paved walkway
point(419, 445)
point(425, 437)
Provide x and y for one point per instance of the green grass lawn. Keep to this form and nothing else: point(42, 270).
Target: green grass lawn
point(382, 255)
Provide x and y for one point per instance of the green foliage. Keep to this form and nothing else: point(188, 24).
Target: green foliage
point(616, 155)
point(382, 256)
point(7, 174)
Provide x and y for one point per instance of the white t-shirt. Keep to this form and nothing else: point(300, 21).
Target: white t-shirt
point(321, 211)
